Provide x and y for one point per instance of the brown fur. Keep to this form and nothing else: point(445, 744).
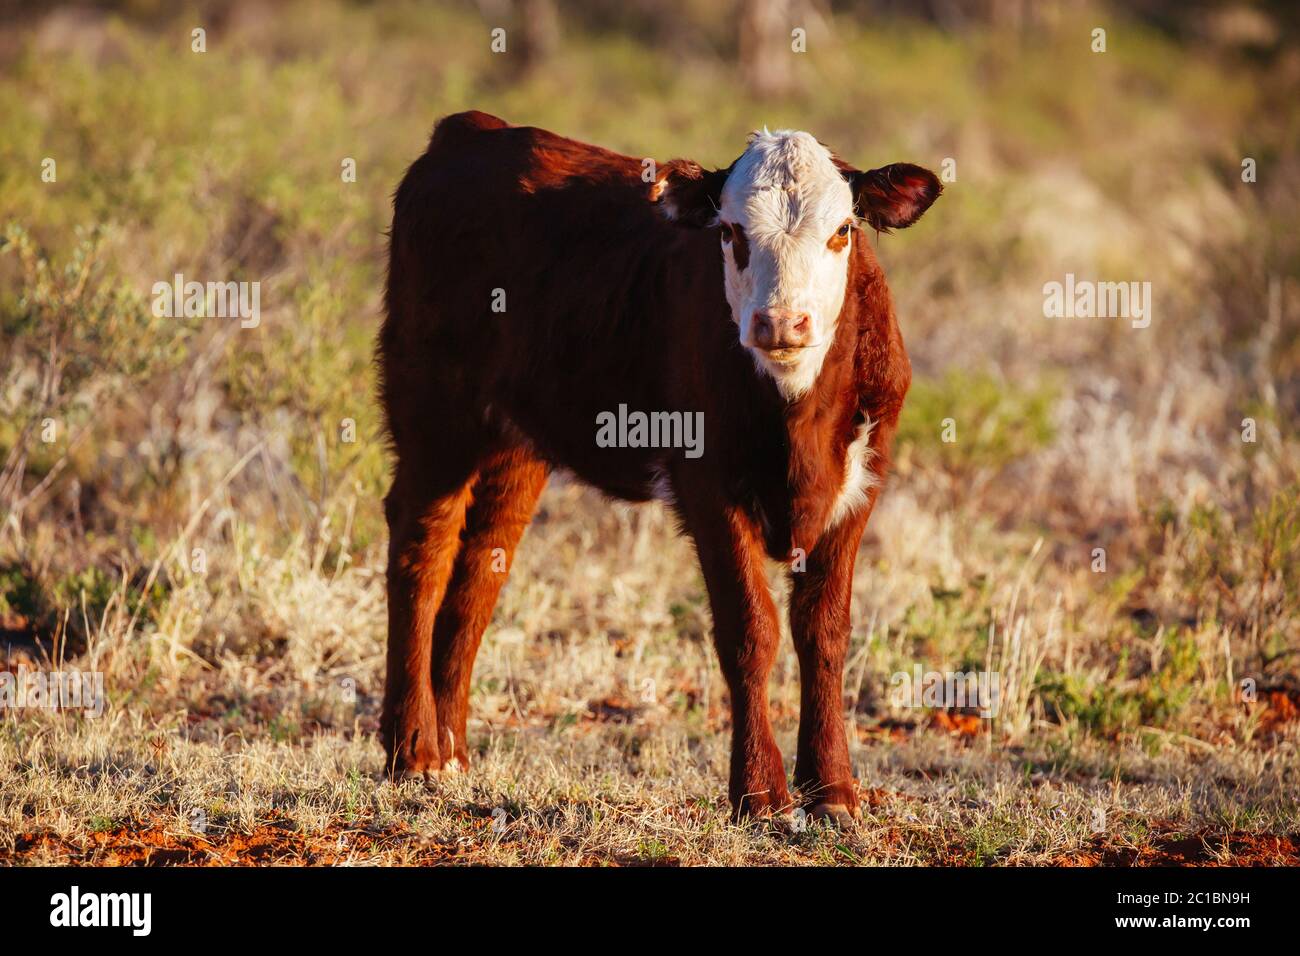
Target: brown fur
point(606, 303)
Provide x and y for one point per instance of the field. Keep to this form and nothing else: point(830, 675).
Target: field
point(1105, 515)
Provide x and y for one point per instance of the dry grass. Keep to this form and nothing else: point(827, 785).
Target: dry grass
point(600, 727)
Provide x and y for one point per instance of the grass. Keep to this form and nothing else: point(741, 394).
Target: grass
point(192, 509)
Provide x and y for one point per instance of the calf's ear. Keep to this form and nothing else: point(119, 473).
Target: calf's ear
point(893, 196)
point(688, 194)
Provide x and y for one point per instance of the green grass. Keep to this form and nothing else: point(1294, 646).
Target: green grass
point(968, 421)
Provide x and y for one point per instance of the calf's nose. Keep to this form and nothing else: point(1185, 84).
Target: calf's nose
point(781, 329)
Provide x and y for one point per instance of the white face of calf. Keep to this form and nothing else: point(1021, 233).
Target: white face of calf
point(786, 219)
point(785, 212)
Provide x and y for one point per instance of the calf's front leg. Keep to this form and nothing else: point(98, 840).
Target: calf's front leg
point(746, 632)
point(819, 621)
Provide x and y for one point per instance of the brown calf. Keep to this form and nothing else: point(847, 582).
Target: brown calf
point(536, 284)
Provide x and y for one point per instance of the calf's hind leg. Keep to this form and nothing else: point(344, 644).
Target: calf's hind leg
point(505, 494)
point(425, 517)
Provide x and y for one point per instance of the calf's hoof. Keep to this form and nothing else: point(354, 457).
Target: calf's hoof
point(404, 776)
point(838, 815)
point(768, 806)
point(413, 754)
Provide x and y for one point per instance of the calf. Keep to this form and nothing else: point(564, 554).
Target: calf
point(536, 284)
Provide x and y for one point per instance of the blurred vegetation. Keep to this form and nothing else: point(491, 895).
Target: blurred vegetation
point(1006, 423)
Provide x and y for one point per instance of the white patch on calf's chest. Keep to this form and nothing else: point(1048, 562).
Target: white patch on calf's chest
point(859, 478)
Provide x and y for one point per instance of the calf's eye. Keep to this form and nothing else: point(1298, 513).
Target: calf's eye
point(840, 241)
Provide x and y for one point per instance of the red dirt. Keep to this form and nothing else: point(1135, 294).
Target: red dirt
point(1279, 708)
point(959, 724)
point(1204, 848)
point(278, 843)
point(272, 844)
